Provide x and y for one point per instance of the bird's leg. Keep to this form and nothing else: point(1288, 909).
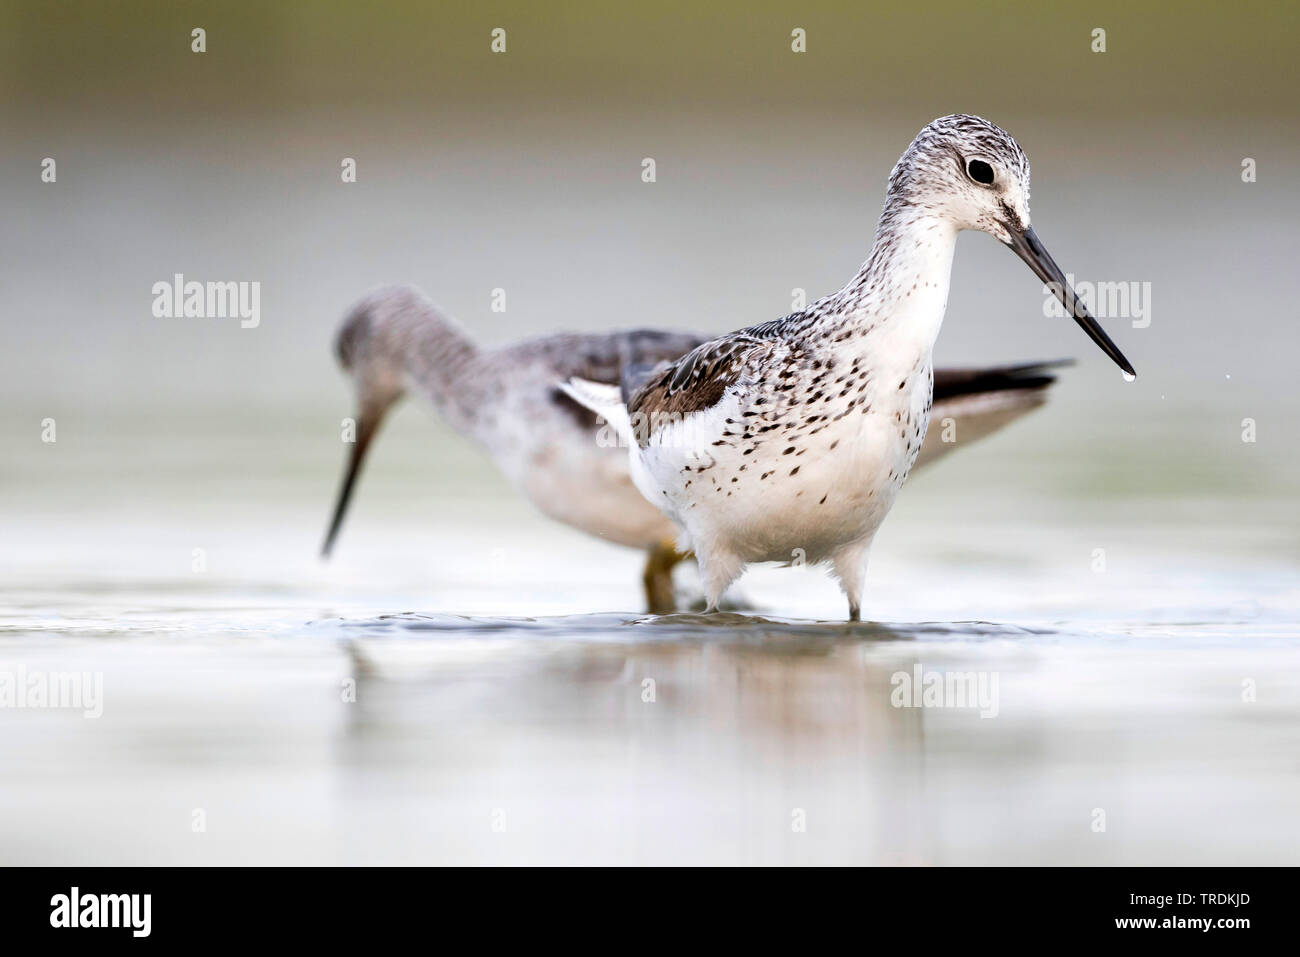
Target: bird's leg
point(850, 565)
point(658, 578)
point(717, 571)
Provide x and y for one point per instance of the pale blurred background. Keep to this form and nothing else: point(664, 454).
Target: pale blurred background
point(522, 171)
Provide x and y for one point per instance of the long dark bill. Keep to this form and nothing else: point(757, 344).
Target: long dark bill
point(1030, 248)
point(366, 427)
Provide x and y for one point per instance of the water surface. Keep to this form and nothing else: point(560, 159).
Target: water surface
point(467, 683)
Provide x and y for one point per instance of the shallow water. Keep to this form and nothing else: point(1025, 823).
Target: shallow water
point(439, 738)
point(454, 688)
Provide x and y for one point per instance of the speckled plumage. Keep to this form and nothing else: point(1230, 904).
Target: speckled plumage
point(789, 440)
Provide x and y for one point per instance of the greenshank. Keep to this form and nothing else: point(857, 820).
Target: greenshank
point(793, 437)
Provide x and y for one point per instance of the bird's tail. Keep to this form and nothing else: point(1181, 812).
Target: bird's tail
point(1028, 376)
point(605, 400)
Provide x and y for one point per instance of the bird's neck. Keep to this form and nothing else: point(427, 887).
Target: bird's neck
point(439, 364)
point(893, 307)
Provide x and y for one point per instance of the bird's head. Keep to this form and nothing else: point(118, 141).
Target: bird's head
point(973, 174)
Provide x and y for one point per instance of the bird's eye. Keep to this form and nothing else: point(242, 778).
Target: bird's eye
point(980, 171)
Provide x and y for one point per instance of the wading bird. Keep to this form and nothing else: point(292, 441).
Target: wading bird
point(797, 434)
point(507, 401)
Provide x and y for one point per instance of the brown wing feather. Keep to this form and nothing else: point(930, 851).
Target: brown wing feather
point(694, 382)
point(698, 379)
